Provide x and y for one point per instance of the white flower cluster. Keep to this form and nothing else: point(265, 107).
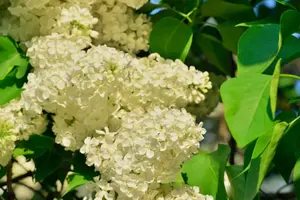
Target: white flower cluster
point(116, 21)
point(16, 124)
point(120, 27)
point(169, 191)
point(181, 193)
point(146, 151)
point(7, 143)
point(86, 89)
point(133, 3)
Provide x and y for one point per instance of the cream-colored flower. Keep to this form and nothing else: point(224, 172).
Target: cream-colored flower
point(136, 158)
point(17, 124)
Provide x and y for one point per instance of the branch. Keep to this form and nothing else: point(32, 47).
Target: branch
point(233, 147)
point(278, 194)
point(16, 179)
point(10, 190)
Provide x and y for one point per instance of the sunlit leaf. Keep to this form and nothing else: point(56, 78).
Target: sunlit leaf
point(171, 38)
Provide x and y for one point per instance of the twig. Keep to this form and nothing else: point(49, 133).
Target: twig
point(278, 195)
point(232, 142)
point(17, 179)
point(10, 191)
point(233, 147)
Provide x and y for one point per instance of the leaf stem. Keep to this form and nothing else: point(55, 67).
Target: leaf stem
point(292, 123)
point(199, 2)
point(186, 16)
point(18, 178)
point(290, 76)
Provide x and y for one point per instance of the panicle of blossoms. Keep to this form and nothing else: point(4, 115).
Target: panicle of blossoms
point(80, 88)
point(118, 24)
point(155, 80)
point(121, 28)
point(17, 124)
point(85, 89)
point(147, 150)
point(64, 18)
point(7, 142)
point(169, 192)
point(76, 21)
point(134, 3)
point(103, 189)
point(29, 18)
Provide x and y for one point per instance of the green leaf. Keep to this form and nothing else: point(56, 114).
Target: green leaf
point(294, 100)
point(3, 171)
point(269, 153)
point(36, 146)
point(184, 6)
point(258, 48)
point(261, 144)
point(288, 150)
point(274, 87)
point(9, 93)
point(46, 165)
point(171, 38)
point(212, 167)
point(285, 3)
point(296, 178)
point(260, 165)
point(247, 113)
point(248, 153)
point(11, 87)
point(166, 13)
point(227, 10)
point(290, 49)
point(10, 57)
point(230, 35)
point(260, 22)
point(22, 152)
point(74, 181)
point(237, 182)
point(215, 53)
point(289, 22)
point(252, 179)
point(81, 168)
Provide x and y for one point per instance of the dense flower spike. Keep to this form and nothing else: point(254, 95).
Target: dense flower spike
point(181, 193)
point(116, 22)
point(163, 192)
point(16, 124)
point(120, 27)
point(85, 89)
point(7, 142)
point(146, 151)
point(134, 3)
